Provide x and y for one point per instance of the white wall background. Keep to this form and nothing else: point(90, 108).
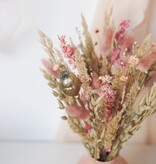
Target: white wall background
point(27, 109)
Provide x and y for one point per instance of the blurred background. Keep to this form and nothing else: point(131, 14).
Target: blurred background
point(28, 111)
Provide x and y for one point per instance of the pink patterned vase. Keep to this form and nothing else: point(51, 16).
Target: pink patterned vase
point(90, 160)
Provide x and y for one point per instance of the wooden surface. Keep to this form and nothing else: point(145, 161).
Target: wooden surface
point(59, 153)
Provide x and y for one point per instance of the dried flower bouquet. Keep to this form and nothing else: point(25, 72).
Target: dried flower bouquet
point(108, 95)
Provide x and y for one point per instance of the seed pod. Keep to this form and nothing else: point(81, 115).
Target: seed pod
point(64, 118)
point(52, 84)
point(61, 96)
point(61, 106)
point(55, 93)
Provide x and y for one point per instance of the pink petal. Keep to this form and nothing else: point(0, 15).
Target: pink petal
point(115, 55)
point(119, 36)
point(125, 24)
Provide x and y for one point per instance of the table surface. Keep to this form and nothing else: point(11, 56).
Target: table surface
point(65, 153)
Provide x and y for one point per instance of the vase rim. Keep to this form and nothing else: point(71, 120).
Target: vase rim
point(112, 161)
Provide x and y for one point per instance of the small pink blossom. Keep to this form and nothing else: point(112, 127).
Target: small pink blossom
point(115, 55)
point(124, 40)
point(125, 24)
point(120, 34)
point(51, 69)
point(85, 96)
point(68, 50)
point(109, 95)
point(78, 112)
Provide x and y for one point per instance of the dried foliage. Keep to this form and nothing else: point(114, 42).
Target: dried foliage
point(111, 130)
point(91, 56)
point(104, 96)
point(82, 70)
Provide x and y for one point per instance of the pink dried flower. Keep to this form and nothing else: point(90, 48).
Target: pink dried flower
point(68, 50)
point(109, 95)
point(116, 55)
point(151, 79)
point(124, 24)
point(52, 69)
point(78, 112)
point(124, 41)
point(120, 34)
point(147, 60)
point(84, 96)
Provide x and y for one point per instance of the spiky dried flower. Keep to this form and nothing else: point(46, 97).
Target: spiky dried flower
point(106, 97)
point(82, 70)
